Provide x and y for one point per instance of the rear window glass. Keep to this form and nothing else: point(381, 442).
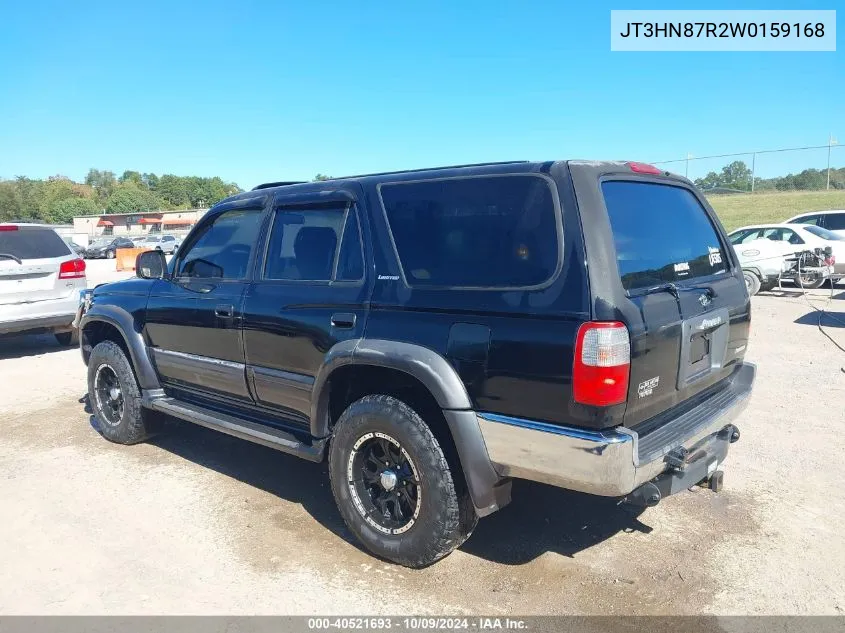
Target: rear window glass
point(662, 234)
point(33, 243)
point(474, 232)
point(824, 233)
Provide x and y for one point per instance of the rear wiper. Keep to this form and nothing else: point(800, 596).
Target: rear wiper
point(674, 290)
point(10, 256)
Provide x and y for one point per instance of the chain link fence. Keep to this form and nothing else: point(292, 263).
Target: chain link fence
point(813, 168)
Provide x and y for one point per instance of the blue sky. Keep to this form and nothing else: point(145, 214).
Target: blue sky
point(258, 91)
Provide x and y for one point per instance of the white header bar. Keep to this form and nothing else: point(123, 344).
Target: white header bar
point(684, 30)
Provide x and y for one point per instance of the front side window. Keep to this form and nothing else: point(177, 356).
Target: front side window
point(747, 235)
point(662, 234)
point(486, 232)
point(807, 219)
point(304, 242)
point(223, 248)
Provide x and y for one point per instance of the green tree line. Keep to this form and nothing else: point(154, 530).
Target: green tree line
point(58, 198)
point(737, 175)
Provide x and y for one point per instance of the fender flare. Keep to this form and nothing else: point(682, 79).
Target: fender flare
point(122, 320)
point(424, 364)
point(487, 490)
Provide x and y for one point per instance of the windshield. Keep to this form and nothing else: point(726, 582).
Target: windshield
point(824, 233)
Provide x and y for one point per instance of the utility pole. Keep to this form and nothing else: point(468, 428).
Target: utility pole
point(686, 169)
point(753, 169)
point(830, 143)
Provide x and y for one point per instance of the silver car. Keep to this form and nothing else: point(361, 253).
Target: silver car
point(40, 282)
point(166, 243)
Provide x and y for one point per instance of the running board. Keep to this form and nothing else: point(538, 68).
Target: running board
point(250, 431)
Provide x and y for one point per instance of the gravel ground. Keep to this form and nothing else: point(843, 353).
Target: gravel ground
point(195, 522)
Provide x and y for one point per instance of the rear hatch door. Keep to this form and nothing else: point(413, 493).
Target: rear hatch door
point(30, 257)
point(669, 275)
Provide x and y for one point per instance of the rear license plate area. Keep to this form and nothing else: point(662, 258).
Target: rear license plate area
point(704, 344)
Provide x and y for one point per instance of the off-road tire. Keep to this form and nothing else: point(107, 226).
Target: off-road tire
point(446, 516)
point(135, 424)
point(66, 339)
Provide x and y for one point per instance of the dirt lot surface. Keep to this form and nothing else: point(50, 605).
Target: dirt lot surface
point(195, 522)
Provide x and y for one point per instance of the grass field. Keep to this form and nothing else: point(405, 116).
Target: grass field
point(742, 209)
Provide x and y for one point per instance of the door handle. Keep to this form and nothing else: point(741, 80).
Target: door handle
point(225, 311)
point(343, 320)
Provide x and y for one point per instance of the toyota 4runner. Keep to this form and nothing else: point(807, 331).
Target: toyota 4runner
point(436, 333)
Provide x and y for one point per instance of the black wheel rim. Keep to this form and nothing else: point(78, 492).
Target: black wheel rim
point(109, 395)
point(384, 483)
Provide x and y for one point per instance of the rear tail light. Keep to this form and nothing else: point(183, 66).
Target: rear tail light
point(644, 168)
point(602, 363)
point(8, 227)
point(72, 269)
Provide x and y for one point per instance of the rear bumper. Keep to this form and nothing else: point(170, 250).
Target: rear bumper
point(39, 315)
point(617, 461)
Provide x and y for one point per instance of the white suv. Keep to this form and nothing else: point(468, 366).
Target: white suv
point(40, 282)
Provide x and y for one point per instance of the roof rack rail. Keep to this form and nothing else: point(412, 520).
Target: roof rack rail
point(411, 171)
point(281, 183)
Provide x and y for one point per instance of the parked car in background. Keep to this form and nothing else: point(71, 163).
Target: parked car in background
point(76, 248)
point(435, 333)
point(106, 247)
point(795, 237)
point(139, 242)
point(40, 282)
point(165, 243)
point(833, 220)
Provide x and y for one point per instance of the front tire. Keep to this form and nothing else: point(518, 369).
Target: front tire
point(114, 396)
point(393, 485)
point(109, 254)
point(752, 282)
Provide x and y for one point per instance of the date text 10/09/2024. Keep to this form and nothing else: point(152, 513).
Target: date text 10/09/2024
point(417, 624)
point(721, 29)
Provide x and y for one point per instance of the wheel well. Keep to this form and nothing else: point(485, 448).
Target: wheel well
point(753, 271)
point(352, 382)
point(96, 332)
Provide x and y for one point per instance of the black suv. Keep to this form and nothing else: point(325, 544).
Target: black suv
point(435, 333)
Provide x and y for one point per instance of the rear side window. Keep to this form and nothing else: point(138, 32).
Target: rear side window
point(32, 243)
point(662, 234)
point(835, 221)
point(315, 243)
point(490, 232)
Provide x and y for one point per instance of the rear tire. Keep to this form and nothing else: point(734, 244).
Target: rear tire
point(66, 339)
point(393, 486)
point(115, 398)
point(752, 282)
point(808, 284)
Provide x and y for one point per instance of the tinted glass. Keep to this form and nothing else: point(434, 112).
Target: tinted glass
point(662, 234)
point(835, 221)
point(304, 242)
point(807, 219)
point(824, 234)
point(223, 248)
point(350, 260)
point(33, 243)
point(474, 232)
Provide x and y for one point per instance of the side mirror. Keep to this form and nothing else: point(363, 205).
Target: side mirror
point(151, 265)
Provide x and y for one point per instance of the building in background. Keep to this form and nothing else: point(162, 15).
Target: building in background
point(132, 224)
